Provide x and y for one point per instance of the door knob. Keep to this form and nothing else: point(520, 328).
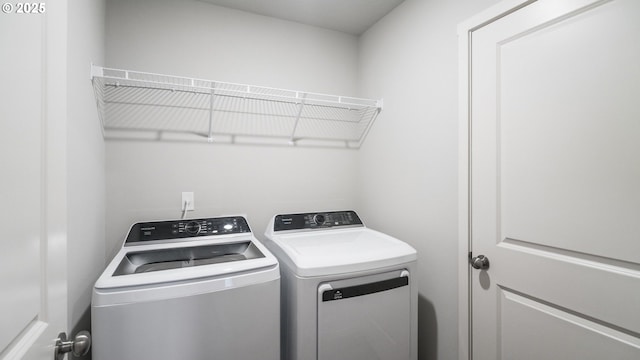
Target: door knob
point(480, 262)
point(79, 346)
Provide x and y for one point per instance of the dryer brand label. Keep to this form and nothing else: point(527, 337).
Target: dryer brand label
point(365, 289)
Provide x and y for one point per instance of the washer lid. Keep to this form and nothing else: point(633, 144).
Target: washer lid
point(206, 257)
point(334, 251)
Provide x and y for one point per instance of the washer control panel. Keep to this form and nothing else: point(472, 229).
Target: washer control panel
point(176, 229)
point(317, 220)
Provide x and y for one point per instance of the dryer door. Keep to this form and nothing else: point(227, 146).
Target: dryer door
point(365, 318)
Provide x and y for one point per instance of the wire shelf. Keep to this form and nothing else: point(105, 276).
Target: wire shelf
point(134, 104)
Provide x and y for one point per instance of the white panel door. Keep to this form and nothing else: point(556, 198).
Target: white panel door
point(555, 182)
point(33, 289)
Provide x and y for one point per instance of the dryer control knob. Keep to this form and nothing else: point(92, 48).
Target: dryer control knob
point(318, 219)
point(192, 228)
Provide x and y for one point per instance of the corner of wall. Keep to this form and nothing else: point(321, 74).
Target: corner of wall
point(85, 160)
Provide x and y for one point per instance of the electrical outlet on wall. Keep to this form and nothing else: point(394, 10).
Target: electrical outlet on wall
point(188, 201)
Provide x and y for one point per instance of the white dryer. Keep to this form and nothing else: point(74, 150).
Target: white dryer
point(348, 292)
point(188, 289)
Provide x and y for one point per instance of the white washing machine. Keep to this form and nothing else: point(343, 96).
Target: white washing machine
point(188, 289)
point(348, 292)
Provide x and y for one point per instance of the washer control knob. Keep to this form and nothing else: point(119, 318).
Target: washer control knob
point(318, 219)
point(192, 228)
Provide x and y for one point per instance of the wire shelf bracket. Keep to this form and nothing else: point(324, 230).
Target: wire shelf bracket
point(156, 107)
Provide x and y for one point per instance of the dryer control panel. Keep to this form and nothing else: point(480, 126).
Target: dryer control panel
point(319, 220)
point(176, 229)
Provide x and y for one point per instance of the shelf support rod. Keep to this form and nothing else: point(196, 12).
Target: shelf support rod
point(211, 99)
point(292, 141)
point(371, 120)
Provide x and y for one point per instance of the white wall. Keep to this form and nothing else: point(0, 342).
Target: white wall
point(188, 38)
point(85, 160)
point(408, 164)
